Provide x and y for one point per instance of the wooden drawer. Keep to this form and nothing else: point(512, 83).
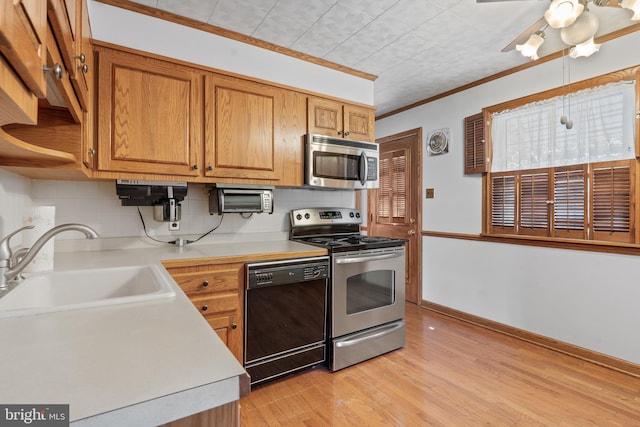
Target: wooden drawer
point(198, 283)
point(217, 303)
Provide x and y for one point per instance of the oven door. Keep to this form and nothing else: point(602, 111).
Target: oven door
point(368, 289)
point(336, 163)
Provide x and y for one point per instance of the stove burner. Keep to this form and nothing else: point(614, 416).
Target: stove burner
point(355, 241)
point(337, 232)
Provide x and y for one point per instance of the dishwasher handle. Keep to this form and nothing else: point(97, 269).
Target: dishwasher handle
point(367, 258)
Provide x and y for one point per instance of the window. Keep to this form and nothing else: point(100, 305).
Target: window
point(547, 180)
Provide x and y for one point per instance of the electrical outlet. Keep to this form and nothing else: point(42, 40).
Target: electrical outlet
point(174, 226)
point(430, 193)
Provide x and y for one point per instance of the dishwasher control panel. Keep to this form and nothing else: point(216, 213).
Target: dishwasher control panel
point(282, 272)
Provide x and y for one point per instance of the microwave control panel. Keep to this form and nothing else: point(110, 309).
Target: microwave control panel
point(372, 169)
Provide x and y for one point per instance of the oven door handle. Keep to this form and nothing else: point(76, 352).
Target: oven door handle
point(359, 338)
point(367, 258)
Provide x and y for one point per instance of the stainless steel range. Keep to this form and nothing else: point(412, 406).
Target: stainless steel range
point(366, 316)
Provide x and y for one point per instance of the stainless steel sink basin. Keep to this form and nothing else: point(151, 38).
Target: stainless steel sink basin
point(79, 289)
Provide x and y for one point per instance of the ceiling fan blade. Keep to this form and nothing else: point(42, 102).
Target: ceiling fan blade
point(496, 1)
point(524, 36)
point(607, 3)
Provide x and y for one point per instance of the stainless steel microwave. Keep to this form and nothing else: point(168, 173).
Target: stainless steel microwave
point(340, 163)
point(240, 198)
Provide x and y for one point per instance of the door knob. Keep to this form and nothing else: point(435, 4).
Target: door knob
point(411, 232)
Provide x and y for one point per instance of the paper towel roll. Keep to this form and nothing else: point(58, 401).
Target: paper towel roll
point(43, 218)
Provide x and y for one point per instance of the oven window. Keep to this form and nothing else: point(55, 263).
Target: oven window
point(336, 166)
point(373, 289)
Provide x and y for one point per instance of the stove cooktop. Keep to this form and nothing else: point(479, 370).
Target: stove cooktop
point(337, 229)
point(354, 242)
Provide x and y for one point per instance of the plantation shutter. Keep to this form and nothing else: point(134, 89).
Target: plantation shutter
point(392, 191)
point(569, 207)
point(474, 145)
point(384, 191)
point(612, 210)
point(534, 209)
point(503, 203)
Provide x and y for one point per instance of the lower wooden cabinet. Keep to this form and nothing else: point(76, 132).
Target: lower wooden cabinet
point(217, 292)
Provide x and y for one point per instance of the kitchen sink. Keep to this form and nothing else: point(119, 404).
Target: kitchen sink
point(80, 289)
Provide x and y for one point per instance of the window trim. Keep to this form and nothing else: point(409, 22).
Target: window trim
point(632, 73)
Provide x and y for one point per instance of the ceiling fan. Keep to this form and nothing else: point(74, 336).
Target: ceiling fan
point(575, 21)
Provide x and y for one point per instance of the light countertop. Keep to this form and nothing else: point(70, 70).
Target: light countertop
point(145, 363)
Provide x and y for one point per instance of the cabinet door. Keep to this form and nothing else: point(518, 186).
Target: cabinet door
point(149, 115)
point(359, 123)
point(239, 129)
point(227, 328)
point(325, 117)
point(292, 125)
point(335, 119)
point(86, 82)
point(217, 291)
point(23, 32)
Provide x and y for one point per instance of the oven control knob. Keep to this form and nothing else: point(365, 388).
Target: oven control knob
point(307, 216)
point(298, 217)
point(357, 214)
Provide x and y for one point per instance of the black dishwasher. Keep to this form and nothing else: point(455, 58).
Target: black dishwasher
point(285, 316)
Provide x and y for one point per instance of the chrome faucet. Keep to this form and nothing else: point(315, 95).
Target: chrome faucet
point(9, 272)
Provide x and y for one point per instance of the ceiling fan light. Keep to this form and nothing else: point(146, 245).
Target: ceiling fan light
point(585, 49)
point(530, 48)
point(583, 29)
point(634, 6)
point(562, 13)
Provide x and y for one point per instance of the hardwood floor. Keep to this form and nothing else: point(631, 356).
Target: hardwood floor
point(451, 373)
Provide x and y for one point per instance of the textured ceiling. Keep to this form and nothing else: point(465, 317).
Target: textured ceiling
point(417, 48)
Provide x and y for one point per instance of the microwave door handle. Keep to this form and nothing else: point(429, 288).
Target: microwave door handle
point(362, 166)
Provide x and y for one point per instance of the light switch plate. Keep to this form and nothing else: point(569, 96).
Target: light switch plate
point(430, 193)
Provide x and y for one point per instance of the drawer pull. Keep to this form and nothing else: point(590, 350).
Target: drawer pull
point(234, 326)
point(205, 307)
point(56, 70)
point(205, 283)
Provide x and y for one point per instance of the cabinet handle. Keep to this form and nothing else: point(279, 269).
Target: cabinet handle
point(205, 283)
point(56, 70)
point(92, 151)
point(84, 68)
point(347, 133)
point(195, 167)
point(234, 326)
point(339, 132)
point(81, 57)
point(209, 168)
point(205, 307)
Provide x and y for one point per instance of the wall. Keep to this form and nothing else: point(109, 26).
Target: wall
point(14, 199)
point(586, 299)
point(95, 203)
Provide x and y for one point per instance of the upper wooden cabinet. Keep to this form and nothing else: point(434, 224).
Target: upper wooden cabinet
point(240, 140)
point(149, 115)
point(23, 32)
point(333, 118)
point(70, 22)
